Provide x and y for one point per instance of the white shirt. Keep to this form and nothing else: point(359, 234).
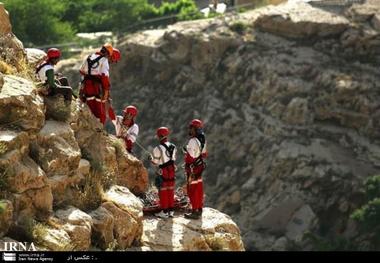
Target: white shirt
point(160, 154)
point(130, 133)
point(100, 68)
point(41, 75)
point(193, 147)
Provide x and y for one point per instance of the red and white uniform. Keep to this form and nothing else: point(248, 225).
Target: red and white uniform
point(161, 158)
point(194, 172)
point(41, 74)
point(95, 83)
point(128, 133)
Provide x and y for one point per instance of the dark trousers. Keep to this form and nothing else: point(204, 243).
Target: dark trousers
point(64, 90)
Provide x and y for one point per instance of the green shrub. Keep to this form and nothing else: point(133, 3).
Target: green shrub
point(372, 186)
point(368, 216)
point(239, 27)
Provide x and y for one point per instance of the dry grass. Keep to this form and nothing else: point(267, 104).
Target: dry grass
point(90, 196)
point(3, 148)
point(6, 69)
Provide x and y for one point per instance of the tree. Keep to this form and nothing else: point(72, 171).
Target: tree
point(39, 22)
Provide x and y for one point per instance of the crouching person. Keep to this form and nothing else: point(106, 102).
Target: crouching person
point(126, 127)
point(53, 83)
point(164, 156)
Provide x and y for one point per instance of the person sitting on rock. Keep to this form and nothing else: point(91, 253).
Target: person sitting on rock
point(53, 83)
point(195, 152)
point(126, 127)
point(164, 156)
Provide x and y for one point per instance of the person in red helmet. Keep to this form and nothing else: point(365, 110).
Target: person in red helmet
point(53, 84)
point(95, 89)
point(195, 153)
point(116, 55)
point(126, 127)
point(164, 156)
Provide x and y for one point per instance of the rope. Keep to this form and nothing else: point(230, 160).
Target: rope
point(142, 147)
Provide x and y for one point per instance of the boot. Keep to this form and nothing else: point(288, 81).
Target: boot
point(162, 214)
point(192, 215)
point(199, 212)
point(171, 212)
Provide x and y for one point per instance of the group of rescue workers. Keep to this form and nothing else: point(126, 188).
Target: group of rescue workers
point(95, 92)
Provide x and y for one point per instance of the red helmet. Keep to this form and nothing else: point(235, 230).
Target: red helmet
point(116, 55)
point(196, 123)
point(131, 110)
point(163, 132)
point(53, 53)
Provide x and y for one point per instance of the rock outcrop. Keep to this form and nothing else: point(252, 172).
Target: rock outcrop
point(289, 97)
point(50, 166)
point(11, 49)
point(213, 232)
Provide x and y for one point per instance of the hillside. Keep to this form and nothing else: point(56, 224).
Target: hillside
point(65, 184)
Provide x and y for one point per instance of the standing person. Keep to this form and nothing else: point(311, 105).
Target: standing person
point(95, 89)
point(164, 156)
point(126, 127)
point(195, 152)
point(116, 56)
point(55, 85)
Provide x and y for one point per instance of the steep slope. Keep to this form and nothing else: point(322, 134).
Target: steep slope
point(65, 184)
point(289, 95)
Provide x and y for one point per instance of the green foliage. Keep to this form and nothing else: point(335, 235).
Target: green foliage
point(39, 22)
point(368, 216)
point(372, 186)
point(338, 244)
point(42, 22)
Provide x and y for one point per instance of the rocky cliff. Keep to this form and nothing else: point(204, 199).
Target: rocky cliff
point(290, 98)
point(65, 184)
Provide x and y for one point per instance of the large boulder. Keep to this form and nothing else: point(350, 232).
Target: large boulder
point(301, 21)
point(56, 149)
point(6, 216)
point(131, 171)
point(23, 179)
point(78, 225)
point(126, 210)
point(18, 100)
point(5, 24)
point(64, 188)
point(214, 231)
point(33, 203)
point(10, 47)
point(102, 228)
point(53, 239)
point(34, 56)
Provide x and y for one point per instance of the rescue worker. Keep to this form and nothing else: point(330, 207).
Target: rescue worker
point(95, 89)
point(52, 83)
point(195, 153)
point(116, 56)
point(126, 127)
point(164, 156)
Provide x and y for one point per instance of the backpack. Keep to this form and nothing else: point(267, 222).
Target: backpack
point(169, 153)
point(94, 63)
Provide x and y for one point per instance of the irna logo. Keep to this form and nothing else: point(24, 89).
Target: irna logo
point(17, 246)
